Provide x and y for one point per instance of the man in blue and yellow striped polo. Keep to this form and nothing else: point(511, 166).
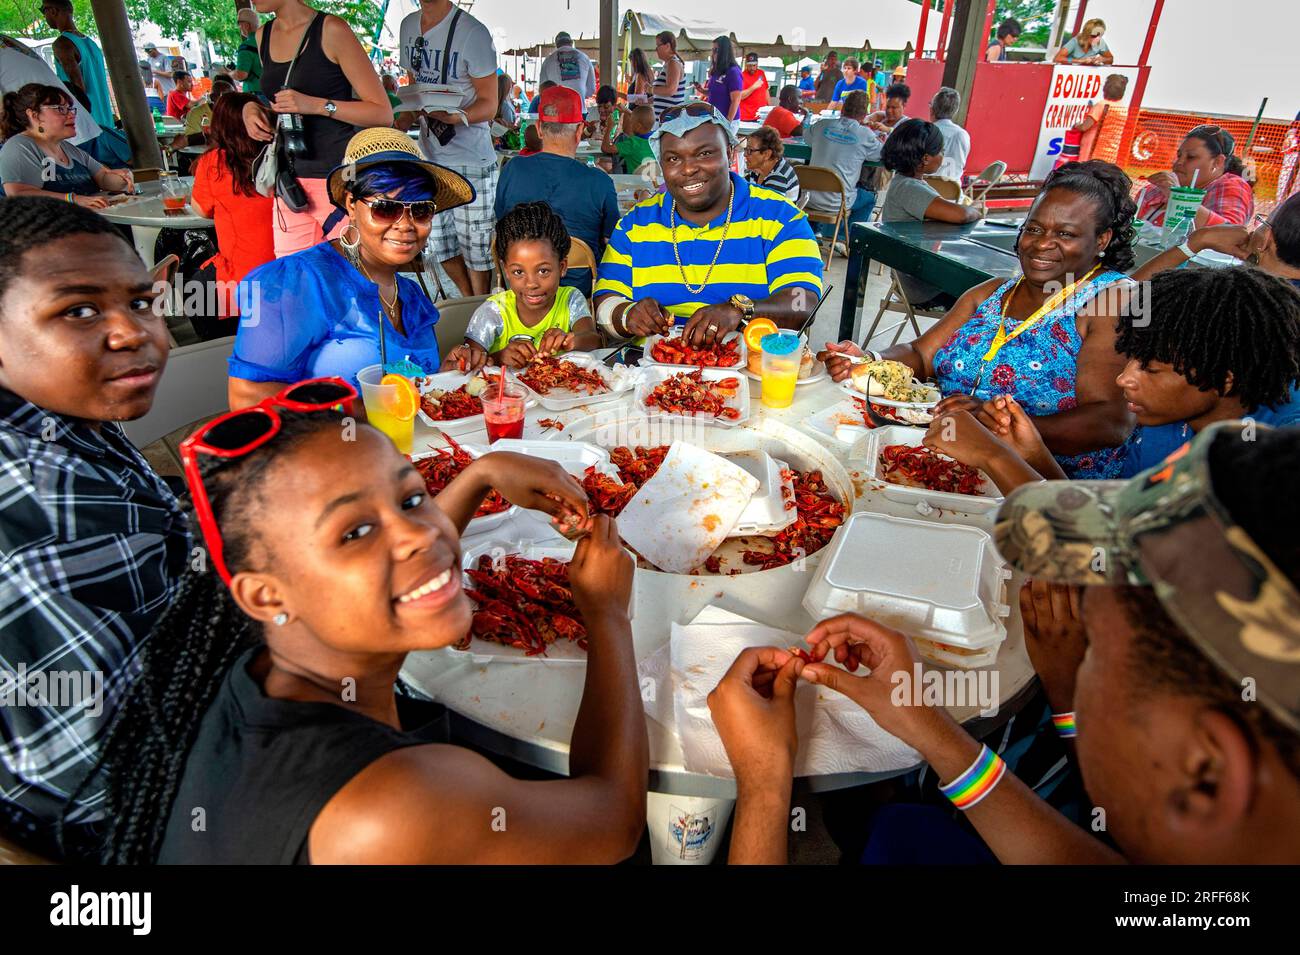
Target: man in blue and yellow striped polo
point(712, 251)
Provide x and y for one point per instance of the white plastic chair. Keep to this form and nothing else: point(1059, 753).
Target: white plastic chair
point(193, 388)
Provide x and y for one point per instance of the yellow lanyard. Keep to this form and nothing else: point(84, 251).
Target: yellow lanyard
point(1001, 337)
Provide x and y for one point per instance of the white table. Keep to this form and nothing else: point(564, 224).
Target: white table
point(146, 217)
point(526, 711)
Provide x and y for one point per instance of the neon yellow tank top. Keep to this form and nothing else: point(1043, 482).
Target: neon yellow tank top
point(513, 326)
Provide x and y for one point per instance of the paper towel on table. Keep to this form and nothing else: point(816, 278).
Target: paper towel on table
point(681, 515)
point(654, 675)
point(835, 734)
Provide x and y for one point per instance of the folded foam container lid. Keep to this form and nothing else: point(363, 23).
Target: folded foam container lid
point(941, 583)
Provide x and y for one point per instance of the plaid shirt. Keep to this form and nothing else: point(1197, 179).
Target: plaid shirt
point(1228, 199)
point(92, 546)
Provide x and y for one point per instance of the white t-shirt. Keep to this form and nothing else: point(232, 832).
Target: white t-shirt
point(20, 66)
point(161, 64)
point(473, 56)
point(956, 147)
point(572, 68)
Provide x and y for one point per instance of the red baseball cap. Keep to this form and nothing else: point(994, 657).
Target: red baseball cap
point(559, 104)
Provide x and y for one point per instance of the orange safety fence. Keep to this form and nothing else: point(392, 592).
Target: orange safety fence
point(1272, 158)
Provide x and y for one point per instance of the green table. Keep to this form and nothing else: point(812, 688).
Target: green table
point(952, 258)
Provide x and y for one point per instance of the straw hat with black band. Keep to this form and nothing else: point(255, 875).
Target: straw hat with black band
point(382, 144)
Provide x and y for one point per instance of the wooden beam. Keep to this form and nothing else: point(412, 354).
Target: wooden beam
point(969, 41)
point(609, 42)
point(124, 74)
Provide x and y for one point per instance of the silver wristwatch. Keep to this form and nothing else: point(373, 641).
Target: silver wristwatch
point(330, 107)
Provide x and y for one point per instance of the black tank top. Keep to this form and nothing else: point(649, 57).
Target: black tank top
point(314, 75)
point(261, 769)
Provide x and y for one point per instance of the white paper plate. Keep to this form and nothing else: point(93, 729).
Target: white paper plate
point(563, 400)
point(868, 451)
point(654, 374)
point(847, 387)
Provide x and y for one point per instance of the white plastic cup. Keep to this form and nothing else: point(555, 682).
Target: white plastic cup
point(686, 830)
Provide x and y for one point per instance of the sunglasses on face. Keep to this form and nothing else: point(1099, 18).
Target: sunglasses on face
point(390, 210)
point(690, 109)
point(238, 433)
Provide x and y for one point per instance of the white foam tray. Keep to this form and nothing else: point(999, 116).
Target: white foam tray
point(939, 582)
point(867, 450)
point(652, 375)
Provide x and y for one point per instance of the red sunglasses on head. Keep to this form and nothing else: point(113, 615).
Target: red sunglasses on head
point(237, 433)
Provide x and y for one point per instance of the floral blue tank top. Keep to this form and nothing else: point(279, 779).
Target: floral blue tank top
point(1037, 367)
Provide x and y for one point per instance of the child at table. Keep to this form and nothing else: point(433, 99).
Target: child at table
point(632, 145)
point(535, 315)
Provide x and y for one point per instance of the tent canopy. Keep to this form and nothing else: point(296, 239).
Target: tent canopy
point(890, 25)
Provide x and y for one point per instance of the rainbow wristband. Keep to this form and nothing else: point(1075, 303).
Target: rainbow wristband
point(976, 782)
point(1064, 723)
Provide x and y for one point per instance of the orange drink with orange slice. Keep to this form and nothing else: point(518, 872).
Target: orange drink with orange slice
point(391, 403)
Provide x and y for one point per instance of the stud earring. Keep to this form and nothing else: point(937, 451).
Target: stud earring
point(281, 619)
point(40, 129)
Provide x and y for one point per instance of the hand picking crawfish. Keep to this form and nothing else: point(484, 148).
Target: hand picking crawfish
point(546, 373)
point(675, 351)
point(524, 603)
point(443, 465)
point(450, 405)
point(606, 495)
point(638, 465)
point(818, 512)
point(921, 467)
point(687, 393)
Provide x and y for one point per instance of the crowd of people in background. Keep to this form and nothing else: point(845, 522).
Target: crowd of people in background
point(1080, 392)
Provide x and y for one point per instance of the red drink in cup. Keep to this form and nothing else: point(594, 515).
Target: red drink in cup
point(503, 410)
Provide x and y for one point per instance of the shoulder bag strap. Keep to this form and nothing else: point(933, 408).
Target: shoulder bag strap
point(446, 50)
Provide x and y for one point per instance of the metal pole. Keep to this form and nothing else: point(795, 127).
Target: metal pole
point(942, 51)
point(124, 73)
point(1140, 88)
point(988, 28)
point(1078, 20)
point(1258, 116)
point(920, 33)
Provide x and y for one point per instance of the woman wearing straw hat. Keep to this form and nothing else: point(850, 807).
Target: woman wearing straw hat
point(320, 312)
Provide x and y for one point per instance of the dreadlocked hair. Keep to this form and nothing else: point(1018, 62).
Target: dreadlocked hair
point(1209, 324)
point(185, 659)
point(1110, 189)
point(532, 222)
point(28, 222)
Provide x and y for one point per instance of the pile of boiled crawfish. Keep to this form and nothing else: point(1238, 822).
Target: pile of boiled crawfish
point(524, 603)
point(635, 467)
point(688, 393)
point(444, 464)
point(922, 467)
point(818, 512)
point(450, 405)
point(675, 351)
point(546, 373)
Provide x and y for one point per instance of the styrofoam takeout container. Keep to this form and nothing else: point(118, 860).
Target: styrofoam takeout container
point(867, 449)
point(652, 375)
point(574, 456)
point(560, 399)
point(478, 525)
point(939, 583)
point(766, 512)
point(449, 381)
point(561, 651)
point(648, 361)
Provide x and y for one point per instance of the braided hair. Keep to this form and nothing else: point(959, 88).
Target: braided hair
point(29, 222)
point(1110, 189)
point(186, 658)
point(1211, 323)
point(532, 222)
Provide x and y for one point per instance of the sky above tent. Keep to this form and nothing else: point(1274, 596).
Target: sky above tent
point(1251, 55)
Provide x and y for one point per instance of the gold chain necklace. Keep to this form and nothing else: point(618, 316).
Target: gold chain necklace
point(726, 227)
point(391, 306)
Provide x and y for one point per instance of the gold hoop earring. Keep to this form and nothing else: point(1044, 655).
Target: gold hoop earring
point(350, 245)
